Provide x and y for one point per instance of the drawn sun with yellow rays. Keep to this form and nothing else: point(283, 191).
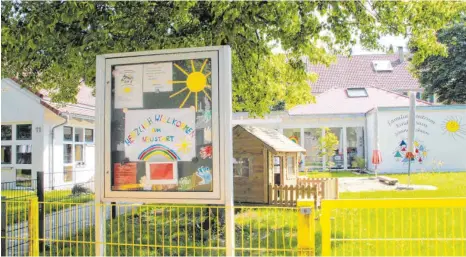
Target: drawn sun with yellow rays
point(196, 82)
point(454, 127)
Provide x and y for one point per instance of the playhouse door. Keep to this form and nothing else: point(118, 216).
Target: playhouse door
point(277, 168)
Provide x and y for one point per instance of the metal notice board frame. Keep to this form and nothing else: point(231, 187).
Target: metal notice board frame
point(222, 182)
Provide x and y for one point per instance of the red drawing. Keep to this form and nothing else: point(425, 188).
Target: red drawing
point(161, 171)
point(206, 152)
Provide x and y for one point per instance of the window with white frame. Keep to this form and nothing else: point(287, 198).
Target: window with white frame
point(75, 140)
point(291, 166)
point(6, 132)
point(16, 145)
point(242, 166)
point(6, 154)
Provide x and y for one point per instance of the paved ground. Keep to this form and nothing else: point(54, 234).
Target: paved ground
point(371, 184)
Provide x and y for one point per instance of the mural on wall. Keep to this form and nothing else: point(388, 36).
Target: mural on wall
point(294, 139)
point(420, 152)
point(454, 127)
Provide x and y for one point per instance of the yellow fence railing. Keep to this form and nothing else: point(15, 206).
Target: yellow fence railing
point(378, 227)
point(159, 230)
point(395, 227)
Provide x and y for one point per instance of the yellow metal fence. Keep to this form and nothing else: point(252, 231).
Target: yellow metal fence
point(394, 227)
point(382, 227)
point(159, 230)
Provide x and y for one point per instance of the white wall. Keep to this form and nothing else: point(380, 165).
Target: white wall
point(19, 106)
point(444, 149)
point(80, 174)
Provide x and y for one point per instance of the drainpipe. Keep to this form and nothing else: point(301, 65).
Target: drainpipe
point(66, 116)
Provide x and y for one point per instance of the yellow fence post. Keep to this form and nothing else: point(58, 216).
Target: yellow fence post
point(306, 228)
point(33, 225)
point(325, 226)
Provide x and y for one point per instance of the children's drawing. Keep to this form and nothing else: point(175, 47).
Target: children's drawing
point(128, 86)
point(196, 82)
point(205, 175)
point(454, 127)
point(161, 173)
point(420, 152)
point(184, 146)
point(160, 135)
point(203, 120)
point(206, 152)
point(185, 183)
point(207, 135)
point(158, 149)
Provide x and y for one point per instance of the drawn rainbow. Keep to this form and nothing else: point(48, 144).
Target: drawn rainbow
point(158, 149)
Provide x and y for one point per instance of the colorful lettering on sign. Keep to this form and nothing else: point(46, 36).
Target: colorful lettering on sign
point(136, 132)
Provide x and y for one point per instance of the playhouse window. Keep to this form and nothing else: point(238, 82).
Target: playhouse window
point(242, 167)
point(290, 165)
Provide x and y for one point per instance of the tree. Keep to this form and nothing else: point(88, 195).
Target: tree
point(445, 75)
point(327, 146)
point(390, 49)
point(53, 44)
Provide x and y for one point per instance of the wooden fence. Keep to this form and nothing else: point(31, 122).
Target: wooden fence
point(288, 195)
point(327, 188)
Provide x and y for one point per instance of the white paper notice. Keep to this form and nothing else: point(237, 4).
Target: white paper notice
point(158, 76)
point(128, 86)
point(160, 135)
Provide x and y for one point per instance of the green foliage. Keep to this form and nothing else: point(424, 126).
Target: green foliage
point(445, 76)
point(359, 162)
point(327, 146)
point(53, 44)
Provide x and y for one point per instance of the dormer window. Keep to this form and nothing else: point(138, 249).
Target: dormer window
point(356, 92)
point(382, 65)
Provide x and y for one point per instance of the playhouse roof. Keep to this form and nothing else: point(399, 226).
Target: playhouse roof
point(337, 101)
point(273, 139)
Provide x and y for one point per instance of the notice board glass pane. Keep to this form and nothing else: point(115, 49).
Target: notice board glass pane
point(161, 126)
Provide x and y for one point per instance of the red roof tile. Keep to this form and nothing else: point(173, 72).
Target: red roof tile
point(357, 71)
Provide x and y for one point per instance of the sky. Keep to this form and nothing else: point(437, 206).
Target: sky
point(385, 41)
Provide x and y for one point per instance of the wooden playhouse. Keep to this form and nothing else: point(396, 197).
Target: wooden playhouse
point(262, 157)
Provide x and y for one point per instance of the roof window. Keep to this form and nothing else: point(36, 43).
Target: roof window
point(382, 65)
point(356, 92)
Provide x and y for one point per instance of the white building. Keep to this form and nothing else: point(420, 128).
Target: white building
point(38, 135)
point(350, 115)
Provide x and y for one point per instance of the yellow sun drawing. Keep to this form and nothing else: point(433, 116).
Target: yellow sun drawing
point(454, 127)
point(196, 82)
point(184, 146)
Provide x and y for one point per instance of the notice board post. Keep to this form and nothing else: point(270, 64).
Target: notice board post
point(163, 131)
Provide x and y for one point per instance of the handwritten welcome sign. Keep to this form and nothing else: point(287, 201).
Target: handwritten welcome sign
point(160, 134)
